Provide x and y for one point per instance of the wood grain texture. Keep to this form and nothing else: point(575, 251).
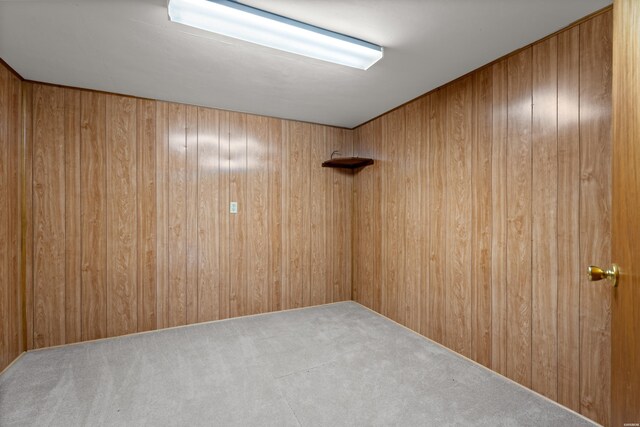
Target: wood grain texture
point(305, 187)
point(544, 277)
point(363, 221)
point(238, 222)
point(438, 208)
point(343, 214)
point(296, 165)
point(482, 217)
point(48, 217)
point(208, 215)
point(73, 232)
point(285, 191)
point(121, 179)
point(340, 227)
point(93, 154)
point(274, 167)
point(320, 250)
point(176, 296)
point(223, 186)
point(147, 214)
point(378, 209)
point(458, 157)
point(595, 214)
point(519, 203)
point(162, 180)
point(16, 344)
point(11, 292)
point(509, 164)
point(425, 216)
point(413, 235)
point(499, 219)
point(131, 196)
point(191, 203)
point(625, 328)
point(27, 214)
point(4, 217)
point(258, 214)
point(393, 224)
point(569, 218)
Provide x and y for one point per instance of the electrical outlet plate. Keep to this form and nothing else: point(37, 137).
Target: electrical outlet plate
point(233, 207)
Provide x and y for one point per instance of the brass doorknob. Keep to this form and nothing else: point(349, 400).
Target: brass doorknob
point(596, 273)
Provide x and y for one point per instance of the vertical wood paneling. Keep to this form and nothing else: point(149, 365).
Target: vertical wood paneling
point(162, 183)
point(393, 225)
point(363, 198)
point(519, 218)
point(458, 156)
point(499, 220)
point(238, 222)
point(4, 216)
point(378, 209)
point(413, 235)
point(275, 214)
point(177, 216)
point(482, 216)
point(258, 214)
point(208, 215)
point(295, 217)
point(27, 89)
point(11, 298)
point(223, 186)
point(73, 235)
point(595, 214)
point(191, 204)
point(145, 240)
point(344, 216)
point(48, 217)
point(570, 270)
point(381, 201)
point(140, 191)
point(342, 202)
point(438, 210)
point(544, 277)
point(425, 216)
point(320, 249)
point(121, 174)
point(515, 195)
point(306, 213)
point(147, 214)
point(16, 344)
point(93, 154)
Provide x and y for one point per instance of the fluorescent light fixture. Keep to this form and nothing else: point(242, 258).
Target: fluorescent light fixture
point(253, 25)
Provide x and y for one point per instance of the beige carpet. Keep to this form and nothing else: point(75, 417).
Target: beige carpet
point(332, 365)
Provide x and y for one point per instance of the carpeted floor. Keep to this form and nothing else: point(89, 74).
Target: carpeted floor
point(332, 365)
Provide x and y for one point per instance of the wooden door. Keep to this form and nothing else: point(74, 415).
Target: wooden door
point(625, 327)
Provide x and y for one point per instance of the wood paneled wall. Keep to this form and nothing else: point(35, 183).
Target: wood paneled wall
point(128, 215)
point(489, 198)
point(11, 333)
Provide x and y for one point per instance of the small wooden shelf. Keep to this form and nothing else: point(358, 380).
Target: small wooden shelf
point(347, 162)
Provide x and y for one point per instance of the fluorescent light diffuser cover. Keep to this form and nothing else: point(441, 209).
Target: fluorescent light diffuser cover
point(246, 23)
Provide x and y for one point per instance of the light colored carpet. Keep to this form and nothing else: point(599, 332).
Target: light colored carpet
point(332, 365)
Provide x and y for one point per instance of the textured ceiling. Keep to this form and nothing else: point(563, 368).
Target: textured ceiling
point(130, 47)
